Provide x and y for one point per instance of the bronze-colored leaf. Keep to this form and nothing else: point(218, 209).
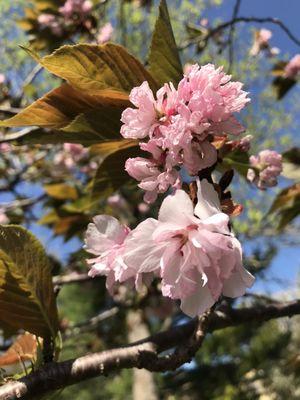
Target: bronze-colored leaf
point(23, 349)
point(59, 107)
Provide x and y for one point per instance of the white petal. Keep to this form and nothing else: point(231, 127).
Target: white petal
point(197, 303)
point(110, 228)
point(141, 253)
point(177, 209)
point(208, 200)
point(238, 282)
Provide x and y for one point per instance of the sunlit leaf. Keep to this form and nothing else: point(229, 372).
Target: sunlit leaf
point(291, 164)
point(93, 68)
point(27, 299)
point(59, 107)
point(164, 60)
point(81, 117)
point(61, 191)
point(23, 349)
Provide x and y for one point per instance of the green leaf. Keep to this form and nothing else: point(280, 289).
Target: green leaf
point(164, 60)
point(287, 205)
point(111, 174)
point(237, 160)
point(93, 68)
point(61, 191)
point(291, 164)
point(27, 299)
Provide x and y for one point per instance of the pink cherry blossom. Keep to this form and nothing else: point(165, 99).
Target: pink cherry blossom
point(204, 22)
point(5, 147)
point(105, 239)
point(77, 151)
point(196, 255)
point(79, 7)
point(143, 208)
point(117, 201)
point(192, 251)
point(152, 179)
point(105, 33)
point(50, 21)
point(261, 41)
point(268, 163)
point(140, 122)
point(71, 154)
point(2, 79)
point(3, 217)
point(180, 124)
point(292, 68)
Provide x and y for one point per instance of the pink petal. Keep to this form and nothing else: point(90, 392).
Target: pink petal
point(177, 209)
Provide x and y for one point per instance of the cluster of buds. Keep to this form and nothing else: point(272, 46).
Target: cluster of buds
point(72, 11)
point(267, 166)
point(51, 22)
point(79, 8)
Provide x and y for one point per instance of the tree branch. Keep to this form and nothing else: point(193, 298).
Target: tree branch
point(143, 354)
point(237, 20)
point(73, 277)
point(231, 34)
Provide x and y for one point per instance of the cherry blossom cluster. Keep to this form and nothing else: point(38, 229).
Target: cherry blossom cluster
point(191, 250)
point(51, 22)
point(261, 43)
point(105, 33)
point(178, 126)
point(72, 9)
point(292, 68)
point(71, 154)
point(80, 8)
point(267, 166)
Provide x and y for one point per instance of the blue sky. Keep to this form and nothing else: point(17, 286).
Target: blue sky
point(286, 264)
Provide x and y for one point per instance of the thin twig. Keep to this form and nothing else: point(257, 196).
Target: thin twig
point(73, 277)
point(29, 79)
point(21, 203)
point(231, 34)
point(237, 20)
point(90, 324)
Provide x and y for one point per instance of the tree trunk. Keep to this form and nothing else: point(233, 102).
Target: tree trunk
point(143, 381)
